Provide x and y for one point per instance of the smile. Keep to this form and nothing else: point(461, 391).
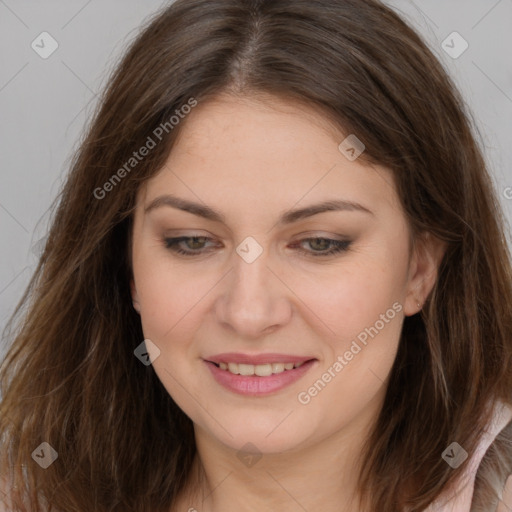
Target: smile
point(258, 379)
point(262, 370)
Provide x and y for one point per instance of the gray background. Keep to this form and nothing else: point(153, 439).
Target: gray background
point(45, 103)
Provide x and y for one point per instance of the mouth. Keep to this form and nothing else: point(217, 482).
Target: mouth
point(258, 375)
point(261, 370)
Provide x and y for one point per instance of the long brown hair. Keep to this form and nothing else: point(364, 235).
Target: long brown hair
point(70, 377)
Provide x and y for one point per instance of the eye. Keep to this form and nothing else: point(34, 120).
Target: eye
point(196, 245)
point(320, 246)
point(193, 244)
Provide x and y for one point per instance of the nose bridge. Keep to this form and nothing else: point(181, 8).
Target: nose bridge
point(252, 301)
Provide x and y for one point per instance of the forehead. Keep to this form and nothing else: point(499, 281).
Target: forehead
point(266, 151)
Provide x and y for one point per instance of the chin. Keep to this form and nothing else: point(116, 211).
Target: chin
point(265, 435)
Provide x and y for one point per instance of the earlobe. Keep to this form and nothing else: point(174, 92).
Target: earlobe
point(428, 253)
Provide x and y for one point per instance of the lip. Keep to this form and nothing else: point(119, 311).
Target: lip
point(232, 357)
point(253, 385)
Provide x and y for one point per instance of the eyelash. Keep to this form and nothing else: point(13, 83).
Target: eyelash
point(339, 246)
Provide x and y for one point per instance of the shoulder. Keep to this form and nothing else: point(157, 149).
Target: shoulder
point(501, 418)
point(463, 496)
point(505, 504)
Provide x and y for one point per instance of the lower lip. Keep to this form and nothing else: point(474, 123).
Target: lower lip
point(253, 385)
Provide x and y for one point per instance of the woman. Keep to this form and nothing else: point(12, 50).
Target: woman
point(277, 279)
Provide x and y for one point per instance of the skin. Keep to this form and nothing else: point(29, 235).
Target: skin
point(252, 160)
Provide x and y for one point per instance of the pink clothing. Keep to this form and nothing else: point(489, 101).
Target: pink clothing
point(461, 500)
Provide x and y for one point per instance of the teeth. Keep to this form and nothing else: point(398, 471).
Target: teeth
point(233, 368)
point(277, 367)
point(262, 370)
point(245, 369)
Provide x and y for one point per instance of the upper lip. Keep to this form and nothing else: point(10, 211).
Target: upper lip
point(232, 357)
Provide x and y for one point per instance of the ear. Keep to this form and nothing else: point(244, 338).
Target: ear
point(427, 254)
point(135, 296)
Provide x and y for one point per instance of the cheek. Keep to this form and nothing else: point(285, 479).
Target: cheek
point(169, 293)
point(357, 359)
point(172, 304)
point(363, 307)
point(164, 301)
point(353, 295)
point(364, 320)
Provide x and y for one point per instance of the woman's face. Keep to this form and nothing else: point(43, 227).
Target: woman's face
point(260, 284)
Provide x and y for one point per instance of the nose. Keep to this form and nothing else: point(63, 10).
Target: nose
point(253, 301)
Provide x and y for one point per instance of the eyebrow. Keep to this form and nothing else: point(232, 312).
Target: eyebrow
point(287, 217)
